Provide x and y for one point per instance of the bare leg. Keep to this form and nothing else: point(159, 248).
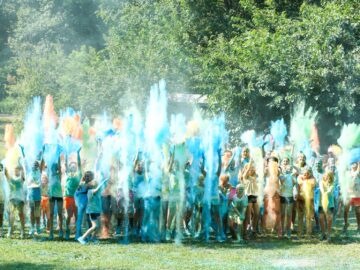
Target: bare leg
point(322, 224)
point(357, 213)
point(60, 216)
point(346, 217)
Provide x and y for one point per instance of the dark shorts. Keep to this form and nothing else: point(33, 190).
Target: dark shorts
point(106, 202)
point(94, 216)
point(331, 210)
point(57, 199)
point(286, 200)
point(252, 199)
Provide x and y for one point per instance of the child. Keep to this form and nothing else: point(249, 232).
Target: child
point(108, 195)
point(287, 184)
point(318, 174)
point(81, 201)
point(272, 205)
point(237, 209)
point(305, 200)
point(354, 195)
point(33, 178)
point(224, 193)
point(2, 197)
point(199, 196)
point(34, 197)
point(17, 199)
point(326, 210)
point(249, 180)
point(138, 190)
point(45, 202)
point(93, 208)
point(72, 183)
point(55, 196)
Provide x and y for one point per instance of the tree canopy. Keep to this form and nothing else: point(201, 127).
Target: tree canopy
point(253, 59)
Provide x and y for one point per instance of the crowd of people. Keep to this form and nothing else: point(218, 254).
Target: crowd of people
point(231, 204)
point(152, 180)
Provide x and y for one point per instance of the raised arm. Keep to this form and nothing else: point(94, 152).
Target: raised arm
point(79, 160)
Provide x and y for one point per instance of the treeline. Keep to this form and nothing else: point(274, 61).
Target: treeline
point(254, 59)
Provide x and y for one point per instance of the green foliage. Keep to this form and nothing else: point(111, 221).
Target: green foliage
point(254, 59)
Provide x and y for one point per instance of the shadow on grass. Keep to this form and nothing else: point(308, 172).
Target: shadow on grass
point(25, 266)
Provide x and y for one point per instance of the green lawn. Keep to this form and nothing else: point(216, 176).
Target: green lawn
point(263, 253)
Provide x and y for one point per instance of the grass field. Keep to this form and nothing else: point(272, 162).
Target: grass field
point(262, 253)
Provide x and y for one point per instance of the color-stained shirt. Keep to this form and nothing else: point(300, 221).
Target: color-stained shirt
point(94, 202)
point(72, 183)
point(237, 207)
point(287, 185)
point(327, 195)
point(17, 189)
point(355, 189)
point(306, 187)
point(251, 186)
point(54, 187)
point(2, 187)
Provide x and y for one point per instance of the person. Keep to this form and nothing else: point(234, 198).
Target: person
point(93, 208)
point(244, 159)
point(45, 202)
point(229, 167)
point(2, 197)
point(74, 175)
point(211, 204)
point(331, 167)
point(150, 231)
point(55, 197)
point(287, 185)
point(354, 194)
point(17, 199)
point(272, 207)
point(326, 210)
point(318, 173)
point(34, 197)
point(305, 200)
point(224, 193)
point(108, 195)
point(298, 168)
point(138, 191)
point(237, 210)
point(250, 182)
point(198, 199)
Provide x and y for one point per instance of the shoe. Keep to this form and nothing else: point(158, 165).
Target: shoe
point(187, 232)
point(31, 232)
point(288, 234)
point(219, 239)
point(323, 237)
point(9, 234)
point(61, 234)
point(38, 230)
point(81, 240)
